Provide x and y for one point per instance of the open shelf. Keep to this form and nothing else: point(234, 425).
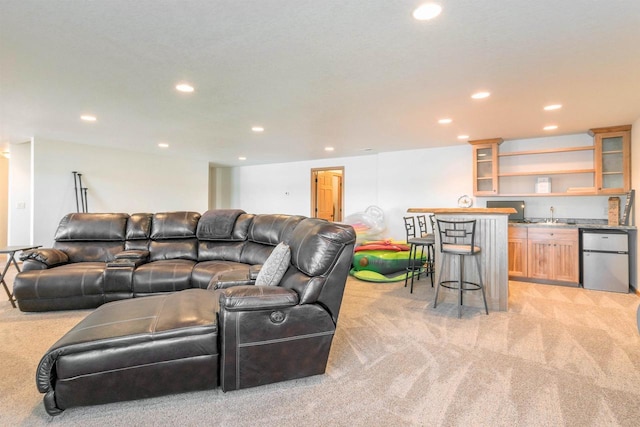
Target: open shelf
point(568, 193)
point(547, 151)
point(561, 172)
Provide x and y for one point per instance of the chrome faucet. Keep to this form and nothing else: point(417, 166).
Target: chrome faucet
point(551, 220)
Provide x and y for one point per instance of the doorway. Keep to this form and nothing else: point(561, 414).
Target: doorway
point(327, 193)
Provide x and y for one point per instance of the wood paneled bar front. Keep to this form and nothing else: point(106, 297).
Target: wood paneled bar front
point(491, 236)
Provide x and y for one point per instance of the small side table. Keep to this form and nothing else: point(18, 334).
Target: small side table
point(10, 251)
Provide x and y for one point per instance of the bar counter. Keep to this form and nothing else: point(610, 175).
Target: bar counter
point(491, 236)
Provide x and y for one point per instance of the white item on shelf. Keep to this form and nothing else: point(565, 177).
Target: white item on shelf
point(543, 184)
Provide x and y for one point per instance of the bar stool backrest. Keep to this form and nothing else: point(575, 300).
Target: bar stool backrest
point(410, 227)
point(457, 236)
point(432, 220)
point(422, 223)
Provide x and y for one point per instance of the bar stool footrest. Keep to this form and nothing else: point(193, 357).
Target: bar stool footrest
point(473, 286)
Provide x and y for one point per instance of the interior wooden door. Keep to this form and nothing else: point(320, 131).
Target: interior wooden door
point(324, 188)
point(327, 193)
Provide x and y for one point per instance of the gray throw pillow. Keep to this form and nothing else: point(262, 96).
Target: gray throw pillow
point(275, 266)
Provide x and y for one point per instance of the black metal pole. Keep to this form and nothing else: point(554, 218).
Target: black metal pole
point(86, 201)
point(81, 195)
point(75, 189)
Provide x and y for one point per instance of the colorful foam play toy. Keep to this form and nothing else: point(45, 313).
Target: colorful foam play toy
point(381, 261)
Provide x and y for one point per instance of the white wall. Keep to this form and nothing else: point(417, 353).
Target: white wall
point(219, 190)
point(20, 200)
point(393, 181)
point(286, 187)
point(117, 181)
point(398, 180)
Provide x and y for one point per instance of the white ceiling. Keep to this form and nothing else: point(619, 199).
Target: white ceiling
point(352, 74)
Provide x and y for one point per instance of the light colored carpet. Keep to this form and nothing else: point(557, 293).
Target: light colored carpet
point(559, 356)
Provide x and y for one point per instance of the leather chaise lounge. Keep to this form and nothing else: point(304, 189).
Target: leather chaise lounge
point(203, 322)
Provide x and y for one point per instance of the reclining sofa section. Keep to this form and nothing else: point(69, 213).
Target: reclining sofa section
point(218, 330)
point(97, 258)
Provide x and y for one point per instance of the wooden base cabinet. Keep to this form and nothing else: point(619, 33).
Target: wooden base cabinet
point(553, 254)
point(517, 252)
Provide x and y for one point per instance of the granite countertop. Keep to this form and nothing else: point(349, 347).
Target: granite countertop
point(486, 211)
point(571, 223)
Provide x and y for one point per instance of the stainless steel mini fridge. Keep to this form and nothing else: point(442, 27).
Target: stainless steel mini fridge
point(605, 260)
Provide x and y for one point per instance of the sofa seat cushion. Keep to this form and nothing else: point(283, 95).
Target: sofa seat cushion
point(77, 285)
point(206, 271)
point(162, 276)
point(134, 349)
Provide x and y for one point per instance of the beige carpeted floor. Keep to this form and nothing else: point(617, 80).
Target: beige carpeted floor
point(559, 356)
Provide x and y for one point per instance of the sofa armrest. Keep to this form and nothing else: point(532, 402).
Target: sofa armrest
point(125, 262)
point(252, 298)
point(229, 279)
point(254, 270)
point(48, 257)
point(133, 254)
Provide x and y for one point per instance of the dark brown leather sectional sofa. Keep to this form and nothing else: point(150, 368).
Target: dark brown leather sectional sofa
point(202, 322)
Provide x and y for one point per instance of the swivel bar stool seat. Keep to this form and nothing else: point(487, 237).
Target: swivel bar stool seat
point(458, 238)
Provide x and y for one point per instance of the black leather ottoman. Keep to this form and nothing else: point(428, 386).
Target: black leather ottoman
point(134, 349)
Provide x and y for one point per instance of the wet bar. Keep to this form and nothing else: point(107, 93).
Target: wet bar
point(491, 236)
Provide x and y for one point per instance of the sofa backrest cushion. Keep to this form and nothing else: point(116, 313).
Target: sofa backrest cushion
point(174, 225)
point(219, 224)
point(173, 236)
point(219, 250)
point(91, 227)
point(265, 232)
point(316, 245)
point(138, 231)
point(95, 251)
point(211, 246)
point(91, 237)
point(272, 229)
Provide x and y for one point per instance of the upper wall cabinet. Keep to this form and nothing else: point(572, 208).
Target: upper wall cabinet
point(582, 166)
point(485, 166)
point(612, 159)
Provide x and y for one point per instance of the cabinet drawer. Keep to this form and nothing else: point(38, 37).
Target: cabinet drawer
point(553, 233)
point(517, 232)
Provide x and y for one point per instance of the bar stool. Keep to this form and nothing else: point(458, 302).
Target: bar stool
point(458, 238)
point(415, 241)
point(430, 236)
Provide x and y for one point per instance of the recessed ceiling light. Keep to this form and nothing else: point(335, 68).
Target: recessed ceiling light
point(553, 107)
point(551, 127)
point(184, 87)
point(463, 136)
point(88, 118)
point(445, 121)
point(257, 129)
point(480, 95)
point(163, 145)
point(427, 11)
point(328, 148)
point(242, 158)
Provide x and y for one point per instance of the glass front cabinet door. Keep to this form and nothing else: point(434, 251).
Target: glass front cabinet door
point(485, 166)
point(612, 159)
